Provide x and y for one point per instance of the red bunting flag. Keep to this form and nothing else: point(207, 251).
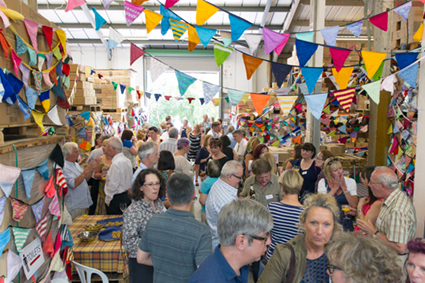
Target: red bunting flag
point(190, 99)
point(167, 97)
point(170, 3)
point(380, 21)
point(4, 44)
point(48, 33)
point(339, 56)
point(100, 76)
point(135, 53)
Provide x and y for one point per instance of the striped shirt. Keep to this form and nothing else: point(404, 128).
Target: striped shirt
point(195, 145)
point(285, 220)
point(170, 145)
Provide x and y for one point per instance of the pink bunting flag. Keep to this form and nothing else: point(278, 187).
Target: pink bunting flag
point(170, 3)
point(135, 53)
point(73, 4)
point(380, 21)
point(132, 11)
point(279, 48)
point(16, 61)
point(2, 4)
point(32, 28)
point(339, 56)
point(394, 145)
point(273, 39)
point(5, 19)
point(46, 78)
point(54, 206)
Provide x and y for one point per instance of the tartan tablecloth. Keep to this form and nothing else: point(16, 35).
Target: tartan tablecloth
point(105, 256)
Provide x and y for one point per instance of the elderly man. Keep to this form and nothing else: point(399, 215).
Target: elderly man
point(96, 153)
point(148, 155)
point(154, 135)
point(396, 222)
point(243, 229)
point(174, 242)
point(78, 198)
point(224, 190)
point(171, 143)
point(165, 135)
point(205, 122)
point(241, 142)
point(118, 178)
point(215, 130)
point(263, 184)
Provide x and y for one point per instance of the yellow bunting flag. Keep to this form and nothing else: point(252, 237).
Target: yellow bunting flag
point(251, 65)
point(332, 134)
point(90, 123)
point(327, 110)
point(204, 11)
point(345, 97)
point(38, 118)
point(193, 38)
point(390, 130)
point(152, 20)
point(252, 129)
point(46, 104)
point(245, 97)
point(216, 101)
point(286, 102)
point(343, 76)
point(87, 71)
point(275, 144)
point(419, 33)
point(372, 61)
point(12, 14)
point(62, 39)
point(259, 101)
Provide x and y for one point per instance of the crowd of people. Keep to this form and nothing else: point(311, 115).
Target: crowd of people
point(296, 222)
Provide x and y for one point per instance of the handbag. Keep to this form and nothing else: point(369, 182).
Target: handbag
point(290, 274)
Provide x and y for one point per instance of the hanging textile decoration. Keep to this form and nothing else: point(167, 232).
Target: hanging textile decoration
point(54, 206)
point(135, 53)
point(304, 89)
point(16, 61)
point(45, 100)
point(311, 75)
point(273, 39)
point(132, 11)
point(167, 15)
point(304, 51)
point(235, 96)
point(216, 101)
point(184, 81)
point(48, 33)
point(226, 37)
point(41, 59)
point(44, 170)
point(2, 206)
point(280, 72)
point(238, 26)
point(253, 41)
point(286, 103)
point(221, 53)
point(106, 3)
point(21, 47)
point(355, 28)
point(61, 182)
point(204, 11)
point(202, 101)
point(193, 38)
point(251, 65)
point(152, 20)
point(157, 96)
point(82, 133)
point(12, 14)
point(343, 76)
point(41, 226)
point(403, 10)
point(156, 69)
point(122, 88)
point(405, 59)
point(205, 34)
point(345, 97)
point(85, 145)
point(25, 75)
point(170, 3)
point(53, 116)
point(37, 80)
point(380, 21)
point(8, 90)
point(115, 38)
point(74, 4)
point(409, 74)
point(99, 20)
point(48, 245)
point(15, 83)
point(19, 209)
point(339, 56)
point(419, 33)
point(343, 128)
point(24, 108)
point(37, 209)
point(178, 28)
point(279, 48)
point(259, 101)
point(5, 19)
point(330, 34)
point(38, 118)
point(62, 39)
point(315, 103)
point(210, 91)
point(388, 84)
point(8, 178)
point(4, 240)
point(47, 80)
point(49, 60)
point(190, 99)
point(28, 176)
point(148, 95)
point(32, 28)
point(372, 61)
point(305, 36)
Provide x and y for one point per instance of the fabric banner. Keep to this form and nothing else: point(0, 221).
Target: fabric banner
point(41, 60)
point(157, 96)
point(4, 240)
point(132, 11)
point(16, 61)
point(253, 41)
point(19, 209)
point(343, 128)
point(41, 226)
point(25, 74)
point(419, 33)
point(216, 101)
point(85, 145)
point(251, 65)
point(122, 88)
point(156, 69)
point(106, 3)
point(53, 115)
point(226, 37)
point(343, 76)
point(373, 89)
point(21, 47)
point(210, 91)
point(279, 48)
point(5, 19)
point(178, 28)
point(339, 56)
point(260, 101)
point(205, 35)
point(315, 103)
point(388, 84)
point(409, 74)
point(221, 53)
point(37, 209)
point(38, 118)
point(286, 103)
point(403, 10)
point(48, 33)
point(355, 28)
point(32, 28)
point(24, 108)
point(21, 235)
point(380, 21)
point(43, 169)
point(238, 26)
point(184, 81)
point(170, 3)
point(8, 178)
point(45, 100)
point(167, 15)
point(73, 4)
point(330, 34)
point(54, 206)
point(273, 39)
point(345, 97)
point(99, 20)
point(405, 59)
point(115, 38)
point(311, 75)
point(204, 11)
point(28, 176)
point(372, 61)
point(303, 87)
point(152, 19)
point(280, 72)
point(2, 206)
point(304, 51)
point(235, 96)
point(305, 36)
point(193, 38)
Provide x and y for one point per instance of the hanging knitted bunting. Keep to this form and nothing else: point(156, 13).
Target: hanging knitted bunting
point(37, 209)
point(45, 100)
point(193, 38)
point(73, 4)
point(305, 36)
point(167, 15)
point(16, 61)
point(5, 19)
point(372, 61)
point(409, 74)
point(280, 72)
point(2, 206)
point(21, 47)
point(24, 108)
point(170, 3)
point(304, 51)
point(204, 11)
point(259, 101)
point(148, 94)
point(201, 100)
point(18, 209)
point(41, 226)
point(156, 68)
point(286, 103)
point(132, 11)
point(28, 176)
point(405, 59)
point(355, 28)
point(48, 33)
point(380, 21)
point(373, 90)
point(253, 41)
point(157, 96)
point(8, 178)
point(330, 34)
point(54, 206)
point(4, 240)
point(221, 53)
point(152, 19)
point(303, 88)
point(388, 84)
point(273, 39)
point(235, 96)
point(343, 76)
point(338, 57)
point(216, 101)
point(311, 75)
point(210, 91)
point(15, 83)
point(251, 65)
point(238, 26)
point(345, 97)
point(419, 33)
point(282, 44)
point(403, 10)
point(32, 28)
point(184, 81)
point(122, 88)
point(99, 20)
point(315, 103)
point(53, 116)
point(8, 90)
point(38, 119)
point(343, 128)
point(85, 146)
point(106, 3)
point(115, 38)
point(205, 34)
point(178, 28)
point(226, 37)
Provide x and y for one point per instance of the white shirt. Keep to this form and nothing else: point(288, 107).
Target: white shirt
point(183, 166)
point(164, 137)
point(77, 197)
point(118, 179)
point(241, 147)
point(351, 186)
point(95, 154)
point(214, 134)
point(170, 145)
point(140, 169)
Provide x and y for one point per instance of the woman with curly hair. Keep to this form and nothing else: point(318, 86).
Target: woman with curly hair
point(359, 259)
point(415, 263)
point(147, 190)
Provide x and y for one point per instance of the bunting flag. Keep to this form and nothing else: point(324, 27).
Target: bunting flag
point(106, 3)
point(167, 15)
point(148, 95)
point(46, 79)
point(8, 178)
point(73, 4)
point(8, 90)
point(21, 47)
point(210, 91)
point(226, 37)
point(38, 118)
point(184, 81)
point(419, 33)
point(403, 10)
point(304, 89)
point(259, 101)
point(251, 65)
point(48, 245)
point(45, 100)
point(253, 41)
point(373, 90)
point(41, 226)
point(338, 57)
point(304, 51)
point(156, 69)
point(53, 116)
point(205, 34)
point(28, 176)
point(315, 103)
point(2, 206)
point(152, 19)
point(388, 84)
point(43, 169)
point(311, 75)
point(238, 26)
point(18, 208)
point(409, 74)
point(345, 97)
point(170, 3)
point(305, 36)
point(85, 146)
point(178, 28)
point(99, 20)
point(4, 240)
point(54, 206)
point(37, 209)
point(405, 59)
point(282, 44)
point(343, 76)
point(372, 61)
point(115, 38)
point(330, 34)
point(380, 21)
point(343, 128)
point(193, 38)
point(5, 19)
point(286, 103)
point(204, 11)
point(48, 33)
point(132, 11)
point(216, 101)
point(16, 61)
point(157, 96)
point(82, 133)
point(235, 96)
point(280, 72)
point(273, 39)
point(202, 100)
point(355, 28)
point(41, 60)
point(221, 53)
point(122, 88)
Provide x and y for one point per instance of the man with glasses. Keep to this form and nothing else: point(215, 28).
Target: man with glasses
point(224, 191)
point(148, 155)
point(244, 232)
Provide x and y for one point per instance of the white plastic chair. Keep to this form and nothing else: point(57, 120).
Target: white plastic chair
point(85, 273)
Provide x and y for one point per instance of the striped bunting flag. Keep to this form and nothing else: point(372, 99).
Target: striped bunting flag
point(178, 28)
point(2, 205)
point(286, 103)
point(21, 235)
point(41, 226)
point(54, 206)
point(37, 208)
point(221, 53)
point(184, 81)
point(60, 181)
point(345, 97)
point(19, 209)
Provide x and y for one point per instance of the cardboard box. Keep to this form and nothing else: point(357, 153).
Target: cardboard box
point(283, 153)
point(337, 149)
point(12, 116)
point(84, 100)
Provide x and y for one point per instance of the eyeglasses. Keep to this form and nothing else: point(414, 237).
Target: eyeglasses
point(331, 268)
point(152, 185)
point(240, 178)
point(264, 239)
point(333, 160)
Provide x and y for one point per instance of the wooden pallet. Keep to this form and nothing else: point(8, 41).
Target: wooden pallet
point(18, 132)
point(83, 108)
point(118, 110)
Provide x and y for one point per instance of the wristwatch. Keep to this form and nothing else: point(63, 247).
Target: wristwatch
point(359, 210)
point(375, 234)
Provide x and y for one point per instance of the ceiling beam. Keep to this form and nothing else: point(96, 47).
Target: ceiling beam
point(175, 8)
point(297, 23)
point(346, 3)
point(143, 26)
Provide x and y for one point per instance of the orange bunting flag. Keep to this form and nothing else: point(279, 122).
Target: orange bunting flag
point(259, 101)
point(343, 76)
point(152, 20)
point(297, 139)
point(216, 101)
point(251, 65)
point(138, 2)
point(345, 97)
point(85, 145)
point(204, 11)
point(372, 61)
point(193, 38)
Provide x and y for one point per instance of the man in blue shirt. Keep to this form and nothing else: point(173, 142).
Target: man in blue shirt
point(243, 229)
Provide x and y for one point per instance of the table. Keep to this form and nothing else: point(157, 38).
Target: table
point(104, 256)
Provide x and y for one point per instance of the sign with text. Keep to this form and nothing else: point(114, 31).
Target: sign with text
point(32, 257)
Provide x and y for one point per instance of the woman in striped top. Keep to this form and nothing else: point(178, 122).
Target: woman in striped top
point(286, 213)
point(195, 138)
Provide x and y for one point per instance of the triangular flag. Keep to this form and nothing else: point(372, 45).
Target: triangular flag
point(286, 103)
point(345, 97)
point(226, 37)
point(280, 72)
point(62, 39)
point(327, 110)
point(156, 68)
point(152, 20)
point(19, 209)
point(405, 59)
point(259, 101)
point(53, 116)
point(202, 100)
point(373, 90)
point(403, 10)
point(238, 26)
point(282, 44)
point(355, 28)
point(115, 38)
point(343, 128)
point(73, 4)
point(99, 20)
point(272, 39)
point(170, 3)
point(122, 88)
point(184, 81)
point(205, 34)
point(216, 101)
point(54, 206)
point(132, 11)
point(409, 74)
point(235, 96)
point(311, 75)
point(28, 176)
point(253, 41)
point(106, 3)
point(5, 19)
point(38, 118)
point(339, 56)
point(315, 103)
point(37, 209)
point(135, 53)
point(251, 65)
point(380, 21)
point(45, 100)
point(21, 235)
point(48, 33)
point(21, 47)
point(16, 62)
point(157, 96)
point(372, 61)
point(193, 38)
point(305, 36)
point(209, 91)
point(419, 33)
point(48, 245)
point(4, 240)
point(2, 206)
point(178, 28)
point(343, 76)
point(204, 11)
point(85, 145)
point(330, 34)
point(221, 53)
point(167, 15)
point(304, 51)
point(8, 178)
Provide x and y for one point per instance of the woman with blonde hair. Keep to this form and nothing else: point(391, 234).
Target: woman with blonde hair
point(249, 153)
point(140, 137)
point(269, 157)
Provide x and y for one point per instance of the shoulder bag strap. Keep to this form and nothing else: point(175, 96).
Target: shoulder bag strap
point(290, 274)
